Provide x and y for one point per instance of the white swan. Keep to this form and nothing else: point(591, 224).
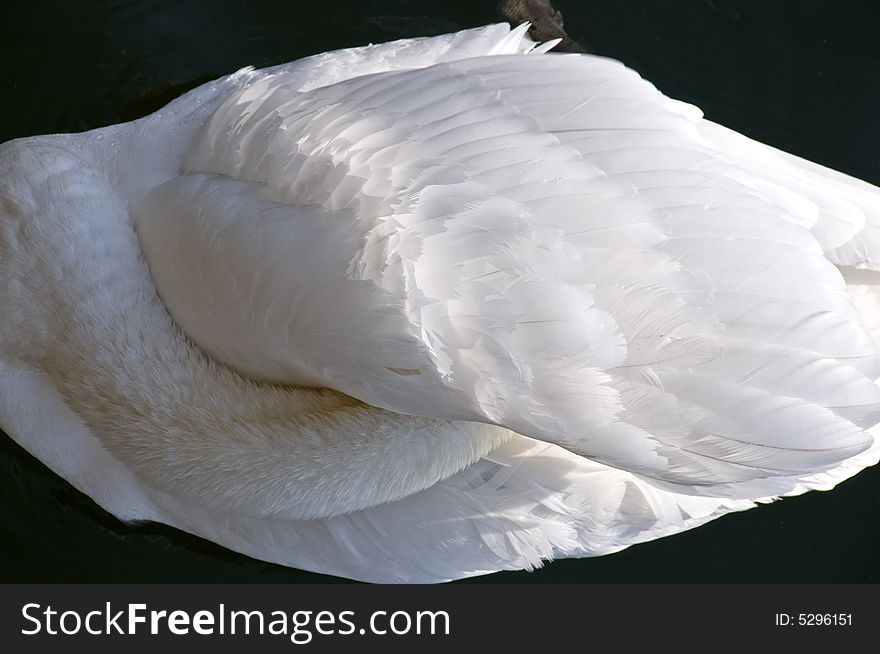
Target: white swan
point(574, 314)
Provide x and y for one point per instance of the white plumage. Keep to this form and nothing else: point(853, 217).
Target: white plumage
point(435, 308)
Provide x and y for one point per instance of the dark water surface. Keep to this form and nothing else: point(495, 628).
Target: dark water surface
point(802, 75)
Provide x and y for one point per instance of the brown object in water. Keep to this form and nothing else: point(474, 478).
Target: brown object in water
point(546, 21)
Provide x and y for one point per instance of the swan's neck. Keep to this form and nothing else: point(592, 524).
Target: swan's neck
point(178, 420)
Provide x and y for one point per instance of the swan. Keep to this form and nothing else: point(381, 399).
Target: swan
point(435, 308)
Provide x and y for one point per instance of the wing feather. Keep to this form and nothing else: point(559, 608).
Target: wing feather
point(559, 249)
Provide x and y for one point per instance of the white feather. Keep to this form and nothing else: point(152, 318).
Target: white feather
point(476, 249)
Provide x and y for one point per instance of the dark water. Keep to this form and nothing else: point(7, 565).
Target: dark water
point(803, 75)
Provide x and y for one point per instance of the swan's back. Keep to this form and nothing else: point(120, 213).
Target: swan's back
point(510, 248)
point(542, 242)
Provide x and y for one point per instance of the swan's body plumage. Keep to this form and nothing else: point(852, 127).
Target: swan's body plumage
point(435, 308)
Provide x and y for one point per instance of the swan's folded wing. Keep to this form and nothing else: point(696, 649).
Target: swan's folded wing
point(542, 242)
point(848, 209)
